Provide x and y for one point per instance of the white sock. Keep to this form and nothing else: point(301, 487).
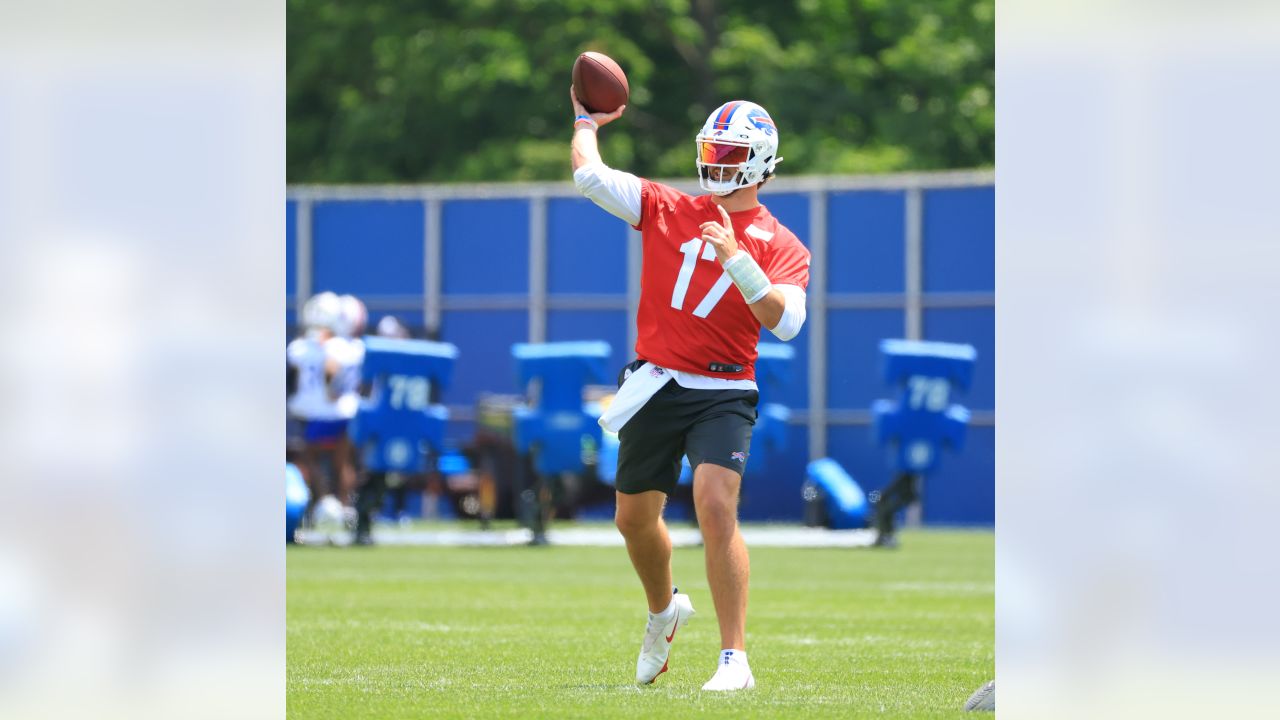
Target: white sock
point(737, 656)
point(665, 615)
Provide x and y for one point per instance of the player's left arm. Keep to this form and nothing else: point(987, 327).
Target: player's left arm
point(779, 307)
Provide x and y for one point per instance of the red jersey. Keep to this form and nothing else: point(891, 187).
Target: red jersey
point(691, 315)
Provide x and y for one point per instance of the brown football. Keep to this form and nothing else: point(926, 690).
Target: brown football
point(600, 84)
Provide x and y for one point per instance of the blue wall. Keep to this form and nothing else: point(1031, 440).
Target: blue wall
point(376, 249)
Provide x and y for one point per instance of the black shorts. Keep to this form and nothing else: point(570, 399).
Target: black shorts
point(711, 426)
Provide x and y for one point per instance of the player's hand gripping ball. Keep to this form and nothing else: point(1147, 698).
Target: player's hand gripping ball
point(720, 235)
point(599, 83)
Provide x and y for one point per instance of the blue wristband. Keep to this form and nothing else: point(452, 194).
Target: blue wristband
point(586, 119)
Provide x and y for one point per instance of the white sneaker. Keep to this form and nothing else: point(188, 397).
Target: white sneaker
point(658, 637)
point(733, 673)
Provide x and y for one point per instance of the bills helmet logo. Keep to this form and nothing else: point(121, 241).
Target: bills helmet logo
point(739, 456)
point(759, 118)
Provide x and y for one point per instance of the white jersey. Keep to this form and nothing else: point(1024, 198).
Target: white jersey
point(310, 400)
point(348, 354)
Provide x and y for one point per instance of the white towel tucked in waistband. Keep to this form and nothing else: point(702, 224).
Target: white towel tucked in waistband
point(636, 390)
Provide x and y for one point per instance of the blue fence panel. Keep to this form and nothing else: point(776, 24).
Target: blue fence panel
point(792, 210)
point(486, 246)
point(367, 247)
point(853, 356)
point(865, 251)
point(484, 339)
point(374, 249)
point(607, 325)
point(586, 249)
point(963, 490)
point(977, 327)
point(774, 493)
point(960, 240)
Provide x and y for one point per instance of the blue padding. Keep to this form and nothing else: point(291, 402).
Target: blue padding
point(905, 358)
point(960, 239)
point(396, 424)
point(923, 421)
point(453, 463)
point(486, 247)
point(581, 349)
point(563, 368)
point(588, 248)
point(853, 358)
point(296, 497)
point(368, 247)
point(555, 430)
point(865, 230)
point(846, 503)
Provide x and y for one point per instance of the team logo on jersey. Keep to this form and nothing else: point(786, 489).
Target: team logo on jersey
point(739, 456)
point(761, 120)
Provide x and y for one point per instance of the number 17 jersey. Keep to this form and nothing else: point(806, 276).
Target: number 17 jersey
point(691, 317)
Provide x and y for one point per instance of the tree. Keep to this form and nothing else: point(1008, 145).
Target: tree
point(471, 90)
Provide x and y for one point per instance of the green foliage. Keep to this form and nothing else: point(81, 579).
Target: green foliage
point(552, 632)
point(475, 90)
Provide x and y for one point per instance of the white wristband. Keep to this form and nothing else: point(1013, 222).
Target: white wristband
point(747, 275)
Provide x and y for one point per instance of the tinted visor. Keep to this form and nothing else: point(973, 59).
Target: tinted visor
point(718, 154)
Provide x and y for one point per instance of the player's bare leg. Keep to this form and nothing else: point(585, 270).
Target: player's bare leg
point(639, 519)
point(715, 496)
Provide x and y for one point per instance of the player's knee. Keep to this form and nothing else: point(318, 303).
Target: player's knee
point(632, 523)
point(717, 516)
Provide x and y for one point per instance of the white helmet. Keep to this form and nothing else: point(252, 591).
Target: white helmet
point(322, 311)
point(352, 317)
point(739, 136)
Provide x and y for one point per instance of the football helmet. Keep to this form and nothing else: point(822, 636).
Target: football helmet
point(352, 317)
point(737, 147)
point(322, 312)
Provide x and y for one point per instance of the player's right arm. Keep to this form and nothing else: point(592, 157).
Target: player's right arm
point(615, 191)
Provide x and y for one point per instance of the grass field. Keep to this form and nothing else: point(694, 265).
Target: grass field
point(553, 632)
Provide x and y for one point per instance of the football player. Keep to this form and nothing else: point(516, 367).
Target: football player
point(345, 351)
point(716, 268)
point(309, 374)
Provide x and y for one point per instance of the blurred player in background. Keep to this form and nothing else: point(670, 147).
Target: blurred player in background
point(313, 408)
point(346, 353)
point(376, 483)
point(698, 332)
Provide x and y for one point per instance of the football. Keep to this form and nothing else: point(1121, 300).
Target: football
point(599, 82)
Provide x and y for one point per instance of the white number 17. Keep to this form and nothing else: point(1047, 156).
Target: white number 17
point(690, 250)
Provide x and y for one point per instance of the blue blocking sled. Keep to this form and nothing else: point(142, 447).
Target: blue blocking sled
point(397, 423)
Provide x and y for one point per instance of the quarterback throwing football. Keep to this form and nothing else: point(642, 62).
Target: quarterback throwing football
point(716, 268)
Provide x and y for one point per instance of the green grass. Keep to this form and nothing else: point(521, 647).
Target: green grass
point(425, 632)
